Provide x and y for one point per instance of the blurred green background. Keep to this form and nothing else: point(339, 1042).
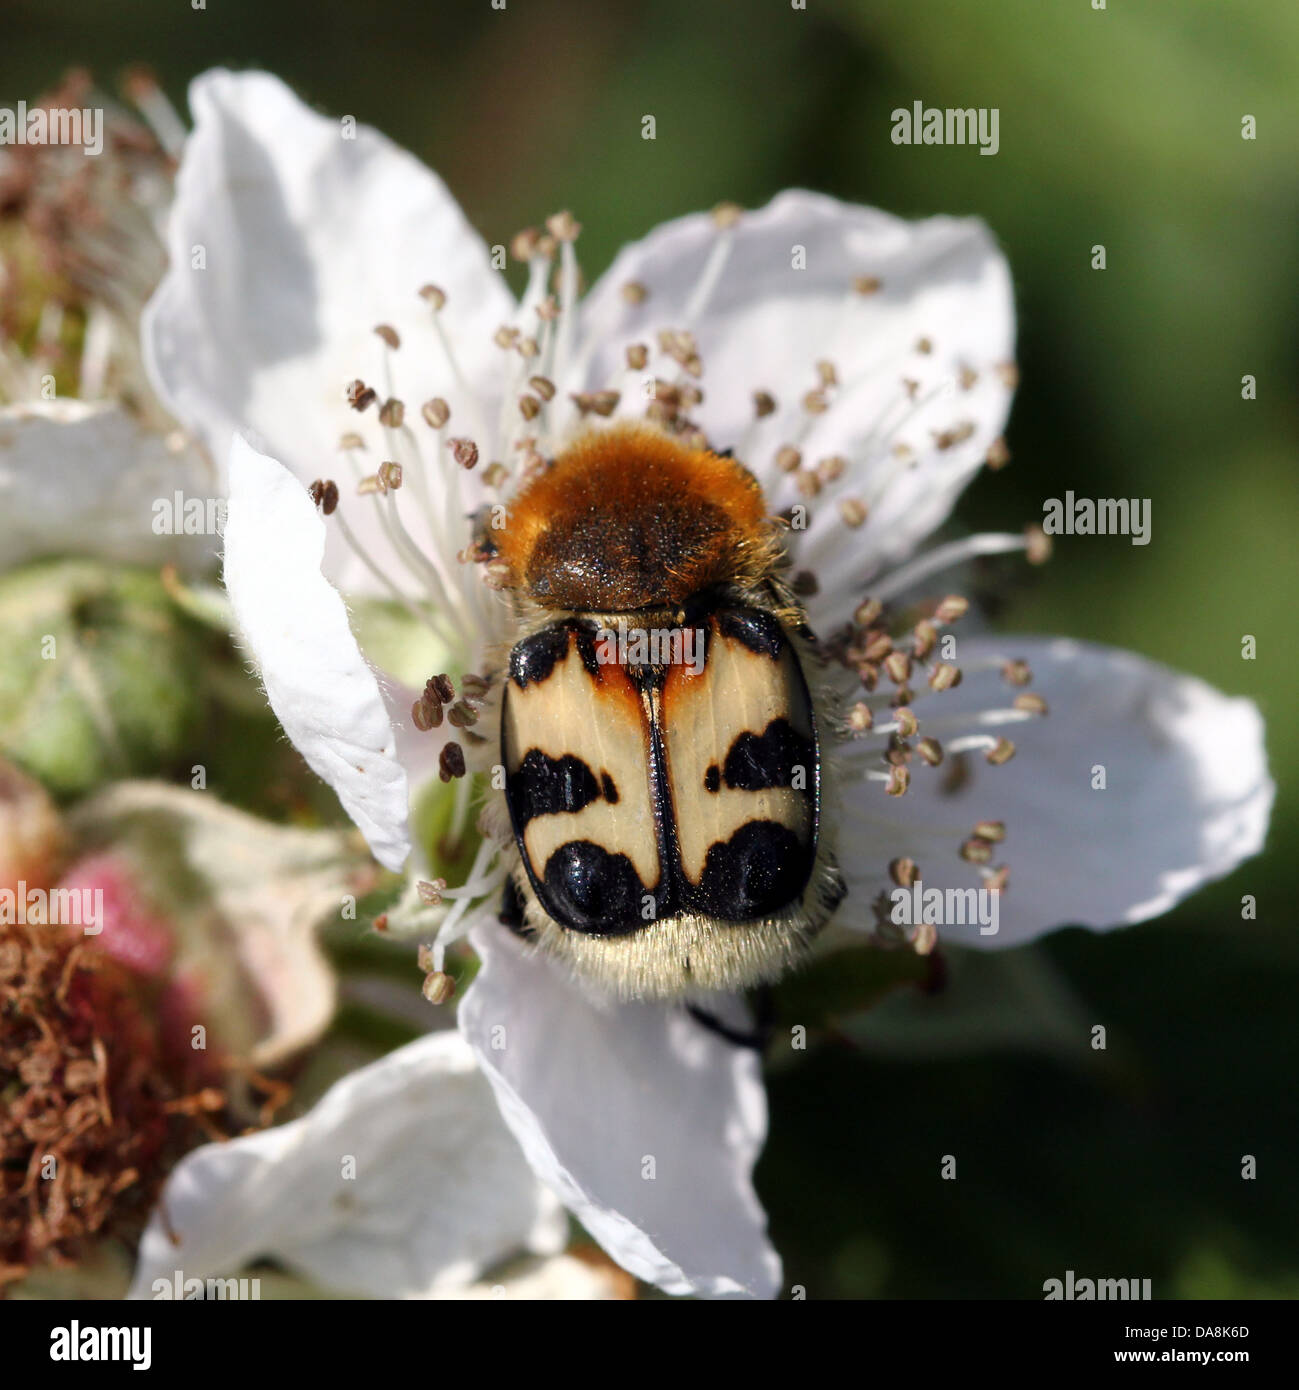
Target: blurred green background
point(1120, 127)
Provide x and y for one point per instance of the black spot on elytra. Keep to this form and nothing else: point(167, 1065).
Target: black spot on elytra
point(533, 660)
point(713, 778)
point(590, 890)
point(761, 869)
point(609, 788)
point(545, 786)
point(758, 761)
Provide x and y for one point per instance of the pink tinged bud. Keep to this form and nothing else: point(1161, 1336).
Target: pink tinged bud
point(130, 930)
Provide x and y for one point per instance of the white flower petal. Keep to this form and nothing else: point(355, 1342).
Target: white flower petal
point(317, 682)
point(646, 1124)
point(310, 237)
point(440, 1192)
point(1187, 793)
point(82, 479)
point(943, 308)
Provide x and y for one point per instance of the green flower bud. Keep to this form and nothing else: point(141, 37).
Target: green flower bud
point(102, 673)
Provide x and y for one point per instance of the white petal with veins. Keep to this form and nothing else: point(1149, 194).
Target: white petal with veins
point(318, 684)
point(289, 242)
point(1187, 794)
point(439, 1191)
point(646, 1124)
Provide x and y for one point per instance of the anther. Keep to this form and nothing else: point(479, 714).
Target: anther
point(496, 474)
point(924, 638)
point(904, 717)
point(602, 403)
point(360, 396)
point(1016, 673)
point(451, 762)
point(878, 646)
point(726, 215)
point(1008, 374)
point(976, 851)
point(543, 386)
point(548, 309)
point(563, 226)
point(523, 245)
point(951, 608)
point(389, 334)
point(899, 781)
point(898, 666)
point(1030, 703)
point(350, 440)
point(866, 284)
point(930, 750)
point(966, 378)
point(867, 612)
point(1001, 752)
point(853, 511)
point(860, 718)
point(634, 292)
point(944, 676)
point(505, 336)
point(904, 871)
point(826, 371)
point(462, 716)
point(998, 455)
point(465, 453)
point(764, 404)
point(924, 346)
point(1039, 545)
point(433, 296)
point(788, 459)
point(808, 483)
point(436, 412)
point(529, 407)
point(994, 831)
point(831, 469)
point(816, 402)
point(392, 413)
point(637, 357)
point(325, 495)
point(390, 475)
point(438, 987)
point(958, 434)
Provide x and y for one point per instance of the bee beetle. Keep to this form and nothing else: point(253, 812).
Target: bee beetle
point(660, 742)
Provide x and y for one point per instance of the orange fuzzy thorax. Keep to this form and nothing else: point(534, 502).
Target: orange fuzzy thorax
point(628, 518)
